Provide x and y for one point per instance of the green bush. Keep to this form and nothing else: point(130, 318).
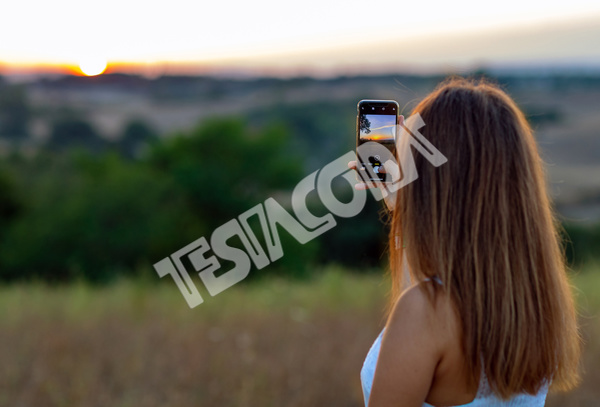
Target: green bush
point(223, 169)
point(103, 216)
point(582, 243)
point(95, 216)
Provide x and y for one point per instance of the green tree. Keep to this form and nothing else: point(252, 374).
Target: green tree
point(10, 205)
point(98, 216)
point(73, 132)
point(582, 242)
point(95, 218)
point(224, 169)
point(365, 124)
point(136, 137)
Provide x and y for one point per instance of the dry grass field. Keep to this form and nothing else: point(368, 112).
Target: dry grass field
point(273, 343)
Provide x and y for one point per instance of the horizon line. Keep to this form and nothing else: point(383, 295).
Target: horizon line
point(172, 68)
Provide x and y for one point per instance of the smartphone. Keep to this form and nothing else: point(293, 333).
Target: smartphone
point(376, 121)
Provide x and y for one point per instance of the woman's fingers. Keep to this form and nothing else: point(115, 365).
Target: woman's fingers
point(364, 185)
point(359, 185)
point(352, 166)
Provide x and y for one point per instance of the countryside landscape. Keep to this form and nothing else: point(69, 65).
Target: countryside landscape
point(103, 176)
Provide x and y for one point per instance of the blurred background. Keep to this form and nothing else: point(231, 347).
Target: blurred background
point(128, 130)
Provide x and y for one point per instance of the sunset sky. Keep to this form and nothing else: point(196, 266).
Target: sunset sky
point(382, 127)
point(297, 37)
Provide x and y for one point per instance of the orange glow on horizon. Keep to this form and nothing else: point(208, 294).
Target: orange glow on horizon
point(39, 68)
point(376, 137)
point(146, 69)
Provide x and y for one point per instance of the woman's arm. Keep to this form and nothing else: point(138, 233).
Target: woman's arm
point(411, 348)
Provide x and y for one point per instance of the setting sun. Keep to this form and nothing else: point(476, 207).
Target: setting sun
point(92, 66)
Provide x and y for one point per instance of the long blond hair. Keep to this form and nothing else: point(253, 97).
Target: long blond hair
point(483, 224)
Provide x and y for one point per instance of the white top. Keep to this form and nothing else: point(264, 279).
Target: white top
point(484, 398)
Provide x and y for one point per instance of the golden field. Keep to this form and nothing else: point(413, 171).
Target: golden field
point(274, 342)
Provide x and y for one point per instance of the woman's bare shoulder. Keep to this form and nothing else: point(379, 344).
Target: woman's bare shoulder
point(409, 353)
point(428, 311)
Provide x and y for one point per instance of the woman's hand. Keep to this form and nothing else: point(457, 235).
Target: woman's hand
point(389, 167)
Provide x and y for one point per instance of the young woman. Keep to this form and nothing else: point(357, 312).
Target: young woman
point(487, 318)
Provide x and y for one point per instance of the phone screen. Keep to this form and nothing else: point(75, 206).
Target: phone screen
point(376, 122)
point(381, 128)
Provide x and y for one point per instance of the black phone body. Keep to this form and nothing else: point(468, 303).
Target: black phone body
point(376, 121)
